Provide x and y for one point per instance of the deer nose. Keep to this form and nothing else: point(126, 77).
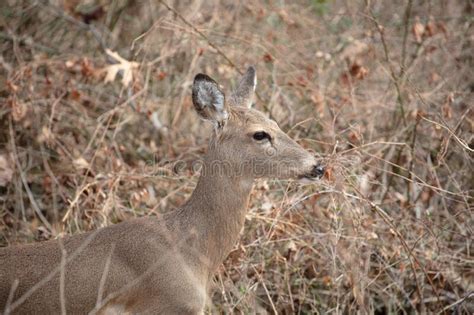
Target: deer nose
point(318, 171)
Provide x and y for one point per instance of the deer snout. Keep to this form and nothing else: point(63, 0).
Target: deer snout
point(316, 172)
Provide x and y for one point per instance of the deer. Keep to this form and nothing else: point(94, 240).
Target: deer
point(163, 264)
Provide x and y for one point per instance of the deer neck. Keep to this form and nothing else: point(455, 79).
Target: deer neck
point(216, 210)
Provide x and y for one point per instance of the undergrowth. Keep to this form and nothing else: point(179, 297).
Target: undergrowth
point(96, 110)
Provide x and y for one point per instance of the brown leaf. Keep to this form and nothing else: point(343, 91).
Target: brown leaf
point(286, 18)
point(345, 79)
point(434, 77)
point(418, 30)
point(447, 106)
point(430, 28)
point(19, 110)
point(426, 195)
point(301, 81)
point(329, 174)
point(6, 171)
point(80, 163)
point(46, 136)
point(442, 27)
point(355, 49)
point(318, 100)
point(327, 280)
point(87, 69)
point(268, 58)
point(12, 87)
point(75, 95)
point(358, 71)
point(69, 64)
point(162, 75)
point(123, 65)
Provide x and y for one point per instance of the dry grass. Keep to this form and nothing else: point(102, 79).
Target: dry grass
point(383, 91)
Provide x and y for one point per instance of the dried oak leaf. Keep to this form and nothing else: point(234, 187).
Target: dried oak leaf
point(123, 65)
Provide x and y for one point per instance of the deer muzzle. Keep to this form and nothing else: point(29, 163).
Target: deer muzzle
point(316, 172)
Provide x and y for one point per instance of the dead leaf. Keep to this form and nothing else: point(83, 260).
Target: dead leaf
point(80, 163)
point(426, 195)
point(447, 106)
point(327, 280)
point(358, 71)
point(123, 65)
point(430, 28)
point(301, 81)
point(364, 184)
point(355, 49)
point(372, 236)
point(418, 30)
point(19, 110)
point(434, 77)
point(6, 172)
point(69, 64)
point(329, 174)
point(268, 58)
point(87, 68)
point(290, 248)
point(162, 75)
point(267, 206)
point(75, 95)
point(46, 136)
point(442, 27)
point(12, 87)
point(286, 18)
point(317, 98)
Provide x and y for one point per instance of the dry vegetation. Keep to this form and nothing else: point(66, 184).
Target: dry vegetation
point(95, 110)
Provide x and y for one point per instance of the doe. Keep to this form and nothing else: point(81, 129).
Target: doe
point(162, 265)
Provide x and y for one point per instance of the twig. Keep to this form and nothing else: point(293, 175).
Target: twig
point(24, 180)
point(266, 290)
point(209, 42)
point(467, 296)
point(395, 78)
point(28, 42)
point(460, 141)
point(87, 27)
point(409, 252)
point(405, 37)
point(218, 50)
point(412, 158)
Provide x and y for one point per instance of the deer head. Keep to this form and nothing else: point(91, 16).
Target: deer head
point(245, 142)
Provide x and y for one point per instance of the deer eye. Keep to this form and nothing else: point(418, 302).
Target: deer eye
point(261, 135)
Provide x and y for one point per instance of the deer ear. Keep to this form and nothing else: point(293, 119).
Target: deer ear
point(243, 95)
point(209, 100)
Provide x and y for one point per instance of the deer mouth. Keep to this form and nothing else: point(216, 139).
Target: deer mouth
point(317, 172)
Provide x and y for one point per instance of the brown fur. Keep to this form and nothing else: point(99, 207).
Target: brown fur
point(156, 265)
